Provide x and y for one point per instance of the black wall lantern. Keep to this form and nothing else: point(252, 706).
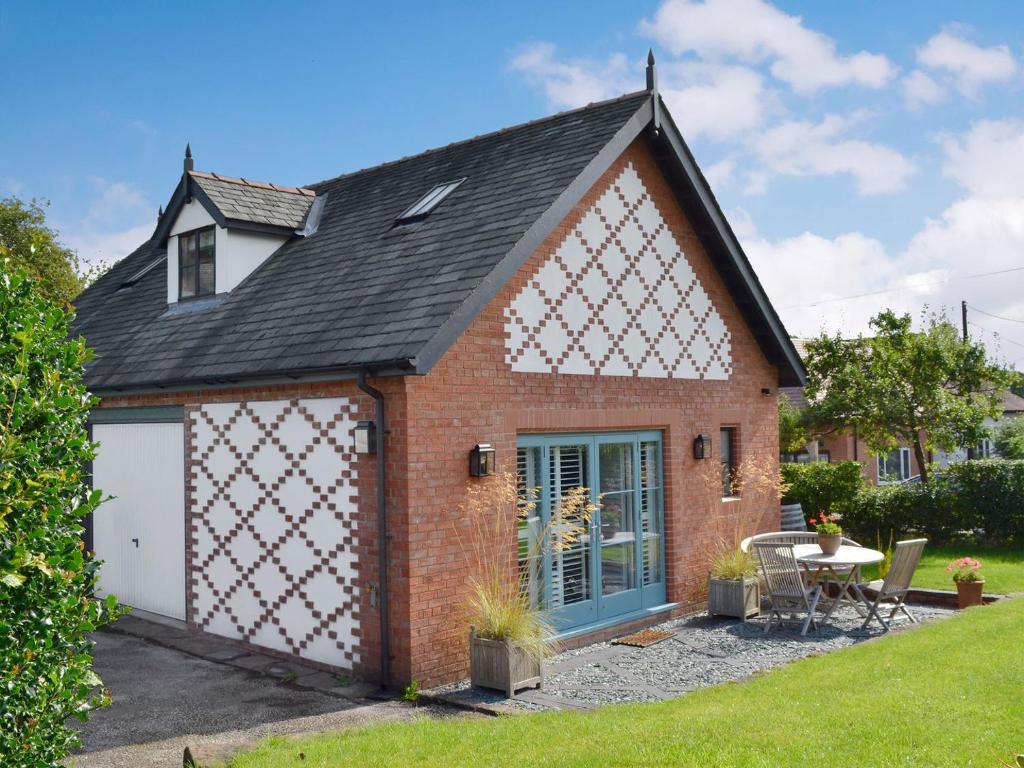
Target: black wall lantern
point(481, 460)
point(365, 437)
point(702, 447)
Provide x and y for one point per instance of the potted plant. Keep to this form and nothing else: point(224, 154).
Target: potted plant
point(509, 636)
point(733, 586)
point(830, 533)
point(969, 581)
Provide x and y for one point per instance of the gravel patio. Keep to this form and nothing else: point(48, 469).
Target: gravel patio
point(701, 651)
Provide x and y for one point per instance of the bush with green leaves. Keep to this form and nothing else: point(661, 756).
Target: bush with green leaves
point(46, 577)
point(820, 485)
point(983, 499)
point(1009, 439)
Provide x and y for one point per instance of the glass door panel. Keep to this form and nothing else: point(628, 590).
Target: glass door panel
point(651, 526)
point(571, 565)
point(617, 517)
point(531, 562)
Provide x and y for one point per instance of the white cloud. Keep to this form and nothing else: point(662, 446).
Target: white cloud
point(755, 31)
point(969, 65)
point(576, 82)
point(97, 247)
point(720, 102)
point(837, 284)
point(116, 223)
point(798, 148)
point(920, 90)
point(719, 174)
point(988, 160)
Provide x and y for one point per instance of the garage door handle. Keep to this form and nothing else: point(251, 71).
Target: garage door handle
point(136, 542)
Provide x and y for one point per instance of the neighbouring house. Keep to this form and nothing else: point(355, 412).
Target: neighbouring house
point(900, 464)
point(295, 381)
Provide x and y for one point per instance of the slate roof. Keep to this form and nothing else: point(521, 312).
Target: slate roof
point(251, 201)
point(361, 291)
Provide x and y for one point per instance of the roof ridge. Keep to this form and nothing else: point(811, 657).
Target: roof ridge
point(481, 136)
point(305, 192)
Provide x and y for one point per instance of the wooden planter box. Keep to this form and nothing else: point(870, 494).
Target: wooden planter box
point(500, 665)
point(741, 599)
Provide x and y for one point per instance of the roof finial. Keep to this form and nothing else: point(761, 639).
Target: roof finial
point(652, 88)
point(652, 72)
point(188, 158)
point(160, 213)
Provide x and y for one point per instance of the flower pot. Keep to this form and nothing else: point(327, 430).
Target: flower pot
point(501, 665)
point(741, 599)
point(792, 518)
point(830, 542)
point(968, 593)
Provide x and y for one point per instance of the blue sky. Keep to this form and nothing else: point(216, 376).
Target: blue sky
point(857, 148)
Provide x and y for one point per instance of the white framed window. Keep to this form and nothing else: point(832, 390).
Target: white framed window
point(894, 466)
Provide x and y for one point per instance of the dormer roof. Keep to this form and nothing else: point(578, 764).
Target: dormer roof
point(240, 203)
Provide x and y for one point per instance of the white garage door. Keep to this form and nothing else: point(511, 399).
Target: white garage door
point(140, 533)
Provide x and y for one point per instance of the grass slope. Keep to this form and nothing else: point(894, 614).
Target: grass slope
point(945, 694)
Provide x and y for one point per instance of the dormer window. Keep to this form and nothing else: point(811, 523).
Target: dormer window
point(197, 261)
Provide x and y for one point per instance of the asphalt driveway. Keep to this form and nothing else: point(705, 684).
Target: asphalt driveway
point(165, 699)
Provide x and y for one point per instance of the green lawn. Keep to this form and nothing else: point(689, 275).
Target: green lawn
point(946, 694)
point(1003, 568)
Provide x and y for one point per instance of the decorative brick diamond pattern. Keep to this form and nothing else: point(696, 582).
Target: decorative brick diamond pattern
point(618, 298)
point(272, 527)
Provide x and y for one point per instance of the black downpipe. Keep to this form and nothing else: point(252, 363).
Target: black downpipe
point(382, 530)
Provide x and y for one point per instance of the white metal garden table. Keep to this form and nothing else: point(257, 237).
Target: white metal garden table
point(840, 567)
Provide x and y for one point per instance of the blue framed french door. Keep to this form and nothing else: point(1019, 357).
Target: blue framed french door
point(615, 566)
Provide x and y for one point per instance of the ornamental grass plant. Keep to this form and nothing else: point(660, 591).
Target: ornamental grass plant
point(501, 603)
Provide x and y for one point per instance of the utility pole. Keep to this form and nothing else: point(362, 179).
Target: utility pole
point(963, 314)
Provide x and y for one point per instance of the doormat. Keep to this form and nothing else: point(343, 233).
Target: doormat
point(643, 638)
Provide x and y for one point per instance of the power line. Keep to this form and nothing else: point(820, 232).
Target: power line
point(904, 288)
point(998, 335)
point(997, 317)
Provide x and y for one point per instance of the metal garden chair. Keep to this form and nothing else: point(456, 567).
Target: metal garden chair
point(785, 584)
point(896, 584)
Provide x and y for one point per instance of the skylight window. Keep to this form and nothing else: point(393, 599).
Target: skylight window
point(429, 201)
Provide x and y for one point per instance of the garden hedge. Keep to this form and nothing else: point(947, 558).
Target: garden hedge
point(984, 498)
point(46, 577)
point(820, 486)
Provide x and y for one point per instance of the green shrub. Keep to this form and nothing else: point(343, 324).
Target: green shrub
point(820, 485)
point(46, 578)
point(973, 497)
point(990, 497)
point(1009, 439)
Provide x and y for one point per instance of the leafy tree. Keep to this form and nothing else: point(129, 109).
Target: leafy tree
point(46, 577)
point(928, 389)
point(793, 434)
point(33, 247)
point(1009, 439)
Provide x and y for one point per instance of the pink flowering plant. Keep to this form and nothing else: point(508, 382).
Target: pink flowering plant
point(826, 524)
point(965, 569)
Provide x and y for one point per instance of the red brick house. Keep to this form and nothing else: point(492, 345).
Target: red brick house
point(290, 376)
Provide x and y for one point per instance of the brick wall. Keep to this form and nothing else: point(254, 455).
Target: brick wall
point(472, 396)
point(365, 520)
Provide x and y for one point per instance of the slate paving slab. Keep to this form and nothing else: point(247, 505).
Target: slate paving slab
point(703, 651)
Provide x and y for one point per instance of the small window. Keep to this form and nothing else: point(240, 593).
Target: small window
point(429, 201)
point(197, 272)
point(894, 467)
point(727, 438)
